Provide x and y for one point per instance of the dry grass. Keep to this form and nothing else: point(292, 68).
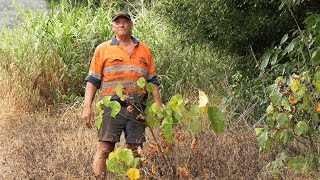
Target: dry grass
point(230, 155)
point(54, 144)
point(45, 145)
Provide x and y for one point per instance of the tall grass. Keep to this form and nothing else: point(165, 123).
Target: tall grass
point(50, 52)
point(47, 56)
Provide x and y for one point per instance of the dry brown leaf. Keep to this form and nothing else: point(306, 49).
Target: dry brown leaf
point(200, 155)
point(194, 143)
point(139, 150)
point(183, 172)
point(153, 169)
point(295, 76)
point(141, 117)
point(292, 100)
point(178, 137)
point(205, 173)
point(317, 107)
point(130, 108)
point(154, 148)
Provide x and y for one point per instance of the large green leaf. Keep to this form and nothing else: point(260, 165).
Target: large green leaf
point(295, 85)
point(285, 136)
point(316, 81)
point(195, 125)
point(134, 162)
point(106, 100)
point(270, 120)
point(176, 103)
point(151, 120)
point(149, 87)
point(284, 39)
point(114, 166)
point(259, 131)
point(216, 118)
point(282, 119)
point(141, 82)
point(154, 108)
point(166, 128)
point(114, 105)
point(98, 118)
point(290, 47)
point(301, 128)
point(265, 59)
point(302, 91)
point(285, 104)
point(119, 89)
point(276, 98)
point(262, 140)
point(98, 121)
point(124, 154)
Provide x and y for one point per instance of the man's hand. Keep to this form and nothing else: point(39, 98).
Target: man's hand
point(87, 116)
point(156, 96)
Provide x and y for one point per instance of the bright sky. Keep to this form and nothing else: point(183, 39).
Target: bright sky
point(8, 14)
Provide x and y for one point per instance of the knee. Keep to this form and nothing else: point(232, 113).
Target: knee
point(104, 148)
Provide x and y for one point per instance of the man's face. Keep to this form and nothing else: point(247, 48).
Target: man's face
point(122, 26)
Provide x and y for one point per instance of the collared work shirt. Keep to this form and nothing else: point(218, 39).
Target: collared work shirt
point(111, 65)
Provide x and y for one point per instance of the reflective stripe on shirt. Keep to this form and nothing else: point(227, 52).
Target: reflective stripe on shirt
point(107, 69)
point(96, 75)
point(113, 84)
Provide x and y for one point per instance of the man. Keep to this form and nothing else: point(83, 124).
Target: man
point(122, 59)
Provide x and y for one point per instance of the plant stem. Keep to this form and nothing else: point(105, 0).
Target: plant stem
point(314, 149)
point(162, 152)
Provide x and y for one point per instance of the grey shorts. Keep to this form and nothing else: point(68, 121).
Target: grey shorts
point(111, 128)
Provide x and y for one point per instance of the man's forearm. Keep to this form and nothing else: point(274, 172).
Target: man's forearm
point(156, 95)
point(91, 90)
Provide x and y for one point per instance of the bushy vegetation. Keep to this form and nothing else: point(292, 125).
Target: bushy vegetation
point(232, 25)
point(215, 46)
point(292, 117)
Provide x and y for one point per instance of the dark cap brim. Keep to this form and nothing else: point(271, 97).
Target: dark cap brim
point(121, 14)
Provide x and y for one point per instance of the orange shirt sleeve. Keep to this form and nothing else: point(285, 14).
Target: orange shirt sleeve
point(96, 67)
point(152, 76)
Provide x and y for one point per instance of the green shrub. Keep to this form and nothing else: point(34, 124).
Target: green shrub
point(292, 117)
point(232, 25)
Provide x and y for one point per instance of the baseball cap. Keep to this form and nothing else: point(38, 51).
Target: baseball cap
point(119, 14)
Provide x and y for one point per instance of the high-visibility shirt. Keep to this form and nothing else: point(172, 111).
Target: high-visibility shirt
point(111, 65)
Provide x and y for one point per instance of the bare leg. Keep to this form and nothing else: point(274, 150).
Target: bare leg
point(99, 161)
